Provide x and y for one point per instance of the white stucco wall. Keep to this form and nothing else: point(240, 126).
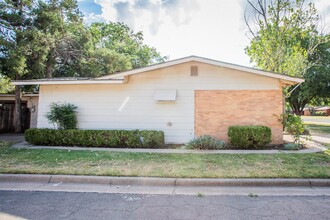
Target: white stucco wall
point(132, 106)
point(33, 106)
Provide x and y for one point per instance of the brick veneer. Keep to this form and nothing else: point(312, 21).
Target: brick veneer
point(216, 110)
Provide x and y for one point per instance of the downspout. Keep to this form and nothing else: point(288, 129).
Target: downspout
point(288, 95)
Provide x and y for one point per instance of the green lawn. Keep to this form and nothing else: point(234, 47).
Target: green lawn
point(318, 128)
point(48, 161)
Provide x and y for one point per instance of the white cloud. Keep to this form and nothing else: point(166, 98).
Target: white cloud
point(214, 29)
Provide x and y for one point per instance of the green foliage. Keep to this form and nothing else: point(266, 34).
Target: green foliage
point(199, 194)
point(119, 38)
point(295, 126)
point(292, 146)
point(316, 88)
point(320, 113)
point(96, 138)
point(63, 115)
point(286, 41)
point(61, 33)
point(15, 25)
point(206, 142)
point(103, 61)
point(45, 39)
point(249, 137)
point(5, 86)
point(286, 33)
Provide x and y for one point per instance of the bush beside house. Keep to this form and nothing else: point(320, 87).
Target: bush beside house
point(96, 138)
point(249, 137)
point(63, 115)
point(206, 142)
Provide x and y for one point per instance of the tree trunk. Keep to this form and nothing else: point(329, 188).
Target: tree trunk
point(49, 64)
point(49, 71)
point(298, 108)
point(17, 114)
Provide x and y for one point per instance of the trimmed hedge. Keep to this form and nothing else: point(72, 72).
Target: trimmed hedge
point(249, 137)
point(96, 138)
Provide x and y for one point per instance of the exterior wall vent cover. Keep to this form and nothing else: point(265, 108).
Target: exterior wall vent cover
point(165, 95)
point(194, 71)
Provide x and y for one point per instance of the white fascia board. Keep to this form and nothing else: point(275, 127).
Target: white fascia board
point(251, 70)
point(66, 82)
point(203, 60)
point(147, 68)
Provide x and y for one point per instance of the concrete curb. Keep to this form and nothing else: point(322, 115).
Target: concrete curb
point(174, 182)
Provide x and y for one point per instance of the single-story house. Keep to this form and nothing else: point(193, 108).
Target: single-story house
point(29, 112)
point(325, 110)
point(185, 98)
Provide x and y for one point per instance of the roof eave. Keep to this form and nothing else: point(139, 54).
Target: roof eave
point(293, 80)
point(65, 82)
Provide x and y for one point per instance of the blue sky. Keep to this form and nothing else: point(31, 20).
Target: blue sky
point(210, 28)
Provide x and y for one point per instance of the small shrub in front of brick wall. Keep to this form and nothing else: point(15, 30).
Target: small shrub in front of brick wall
point(206, 142)
point(96, 138)
point(249, 137)
point(292, 146)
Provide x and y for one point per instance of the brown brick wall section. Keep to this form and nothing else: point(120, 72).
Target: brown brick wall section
point(216, 110)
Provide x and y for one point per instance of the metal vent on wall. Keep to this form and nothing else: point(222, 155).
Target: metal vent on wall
point(165, 95)
point(194, 71)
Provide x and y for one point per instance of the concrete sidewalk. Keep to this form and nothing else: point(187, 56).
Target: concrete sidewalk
point(15, 137)
point(313, 149)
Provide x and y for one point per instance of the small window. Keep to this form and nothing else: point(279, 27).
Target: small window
point(165, 95)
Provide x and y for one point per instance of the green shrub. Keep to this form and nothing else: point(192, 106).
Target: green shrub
point(320, 113)
point(249, 137)
point(96, 138)
point(63, 116)
point(292, 146)
point(149, 138)
point(206, 143)
point(295, 126)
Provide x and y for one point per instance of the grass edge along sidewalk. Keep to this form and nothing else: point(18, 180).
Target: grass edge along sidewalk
point(80, 162)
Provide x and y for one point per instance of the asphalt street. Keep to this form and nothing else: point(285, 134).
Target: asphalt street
point(316, 120)
point(82, 205)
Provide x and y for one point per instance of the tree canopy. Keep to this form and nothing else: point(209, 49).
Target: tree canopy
point(285, 39)
point(47, 38)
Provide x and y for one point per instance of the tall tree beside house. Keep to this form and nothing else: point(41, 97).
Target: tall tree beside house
point(316, 88)
point(60, 24)
point(285, 39)
point(109, 48)
point(119, 38)
point(15, 27)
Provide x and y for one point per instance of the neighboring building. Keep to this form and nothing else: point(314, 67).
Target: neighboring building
point(29, 112)
point(325, 110)
point(185, 98)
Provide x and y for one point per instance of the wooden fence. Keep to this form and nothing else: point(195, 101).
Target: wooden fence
point(7, 117)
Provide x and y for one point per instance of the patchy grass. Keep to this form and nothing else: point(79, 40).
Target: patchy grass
point(52, 161)
point(318, 128)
